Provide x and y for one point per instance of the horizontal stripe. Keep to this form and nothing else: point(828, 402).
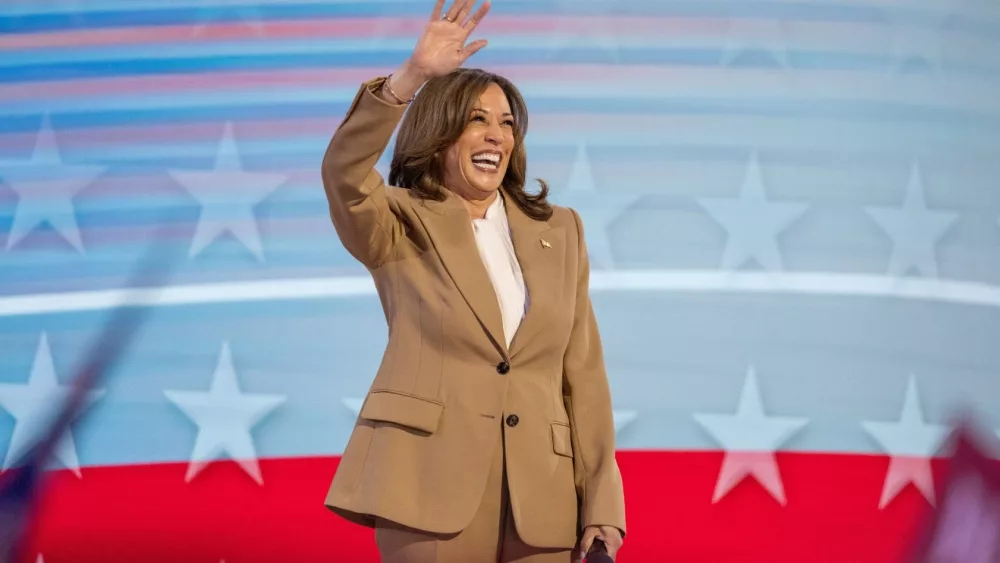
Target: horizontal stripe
point(535, 81)
point(488, 58)
point(150, 513)
point(85, 6)
point(676, 281)
point(175, 14)
point(348, 34)
point(284, 144)
point(318, 104)
point(10, 7)
point(543, 34)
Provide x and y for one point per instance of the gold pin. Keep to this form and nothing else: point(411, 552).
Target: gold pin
point(545, 243)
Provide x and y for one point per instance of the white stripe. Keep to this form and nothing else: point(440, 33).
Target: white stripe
point(656, 281)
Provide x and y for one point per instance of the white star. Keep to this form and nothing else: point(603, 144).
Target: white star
point(752, 222)
point(224, 417)
point(750, 439)
point(227, 196)
point(33, 404)
point(595, 31)
point(597, 210)
point(248, 14)
point(910, 443)
point(914, 229)
point(751, 35)
point(353, 404)
point(622, 417)
point(45, 187)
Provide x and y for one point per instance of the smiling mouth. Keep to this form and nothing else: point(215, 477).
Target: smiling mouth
point(486, 161)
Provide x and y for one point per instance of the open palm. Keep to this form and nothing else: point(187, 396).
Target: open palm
point(441, 48)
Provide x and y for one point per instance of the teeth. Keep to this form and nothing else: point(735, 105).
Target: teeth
point(488, 157)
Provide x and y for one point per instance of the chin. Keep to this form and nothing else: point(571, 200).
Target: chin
point(486, 189)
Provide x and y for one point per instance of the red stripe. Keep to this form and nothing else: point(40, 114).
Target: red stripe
point(357, 28)
point(149, 514)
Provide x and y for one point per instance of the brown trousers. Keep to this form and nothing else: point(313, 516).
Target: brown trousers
point(490, 537)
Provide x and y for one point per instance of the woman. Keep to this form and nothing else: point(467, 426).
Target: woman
point(487, 434)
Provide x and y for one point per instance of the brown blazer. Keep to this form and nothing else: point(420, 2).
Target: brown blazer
point(422, 446)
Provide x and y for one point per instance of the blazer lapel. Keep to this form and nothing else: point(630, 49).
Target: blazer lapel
point(450, 230)
point(541, 251)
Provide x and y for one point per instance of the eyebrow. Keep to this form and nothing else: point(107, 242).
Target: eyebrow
point(505, 114)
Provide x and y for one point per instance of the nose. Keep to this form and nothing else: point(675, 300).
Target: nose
point(494, 133)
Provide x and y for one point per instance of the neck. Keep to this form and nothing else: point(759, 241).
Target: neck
point(477, 207)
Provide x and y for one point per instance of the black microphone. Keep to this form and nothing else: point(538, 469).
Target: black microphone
point(598, 553)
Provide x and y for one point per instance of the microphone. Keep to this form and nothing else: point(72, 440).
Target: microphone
point(598, 553)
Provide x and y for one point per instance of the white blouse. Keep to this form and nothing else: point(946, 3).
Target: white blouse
point(497, 251)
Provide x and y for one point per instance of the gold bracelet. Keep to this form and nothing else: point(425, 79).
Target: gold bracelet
point(393, 94)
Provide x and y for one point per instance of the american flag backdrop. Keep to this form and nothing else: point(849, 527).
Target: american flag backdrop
point(792, 209)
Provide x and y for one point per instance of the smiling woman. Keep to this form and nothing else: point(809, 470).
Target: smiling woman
point(473, 145)
point(487, 434)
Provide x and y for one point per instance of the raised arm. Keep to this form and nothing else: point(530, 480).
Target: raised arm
point(588, 400)
point(361, 211)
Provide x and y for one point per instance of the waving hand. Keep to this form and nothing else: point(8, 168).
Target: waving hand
point(442, 46)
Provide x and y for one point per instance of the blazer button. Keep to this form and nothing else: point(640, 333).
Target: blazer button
point(512, 420)
point(503, 368)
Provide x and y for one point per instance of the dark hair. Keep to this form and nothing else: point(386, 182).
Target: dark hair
point(435, 120)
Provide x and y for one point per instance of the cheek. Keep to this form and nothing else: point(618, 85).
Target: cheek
point(451, 161)
point(510, 146)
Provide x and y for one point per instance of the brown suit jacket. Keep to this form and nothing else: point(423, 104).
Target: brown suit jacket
point(422, 446)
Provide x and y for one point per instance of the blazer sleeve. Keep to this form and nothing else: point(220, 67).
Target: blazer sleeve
point(365, 218)
point(598, 479)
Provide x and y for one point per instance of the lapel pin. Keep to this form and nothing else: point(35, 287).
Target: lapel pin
point(545, 243)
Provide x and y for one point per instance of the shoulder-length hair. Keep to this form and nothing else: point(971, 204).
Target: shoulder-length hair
point(435, 120)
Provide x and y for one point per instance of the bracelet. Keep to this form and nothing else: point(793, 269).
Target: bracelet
point(388, 89)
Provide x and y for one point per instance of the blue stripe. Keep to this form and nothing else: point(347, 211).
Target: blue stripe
point(488, 57)
point(544, 48)
point(869, 111)
point(805, 11)
point(283, 153)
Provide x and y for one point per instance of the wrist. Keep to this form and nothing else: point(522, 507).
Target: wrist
point(407, 80)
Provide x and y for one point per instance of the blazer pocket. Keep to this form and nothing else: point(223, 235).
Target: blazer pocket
point(562, 439)
point(402, 409)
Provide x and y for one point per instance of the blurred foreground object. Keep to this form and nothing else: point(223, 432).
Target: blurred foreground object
point(21, 485)
point(965, 528)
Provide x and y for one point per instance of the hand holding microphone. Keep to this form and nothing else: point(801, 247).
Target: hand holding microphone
point(600, 544)
point(598, 553)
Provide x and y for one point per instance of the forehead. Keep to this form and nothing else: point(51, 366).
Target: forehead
point(493, 99)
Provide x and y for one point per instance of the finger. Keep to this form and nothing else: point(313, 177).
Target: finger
point(587, 541)
point(473, 48)
point(436, 13)
point(456, 9)
point(612, 549)
point(464, 13)
point(477, 17)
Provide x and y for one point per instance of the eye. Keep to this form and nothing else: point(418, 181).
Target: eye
point(509, 122)
point(479, 117)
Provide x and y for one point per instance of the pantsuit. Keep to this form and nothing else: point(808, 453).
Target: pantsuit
point(490, 537)
point(423, 452)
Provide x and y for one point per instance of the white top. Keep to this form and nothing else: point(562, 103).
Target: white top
point(497, 251)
